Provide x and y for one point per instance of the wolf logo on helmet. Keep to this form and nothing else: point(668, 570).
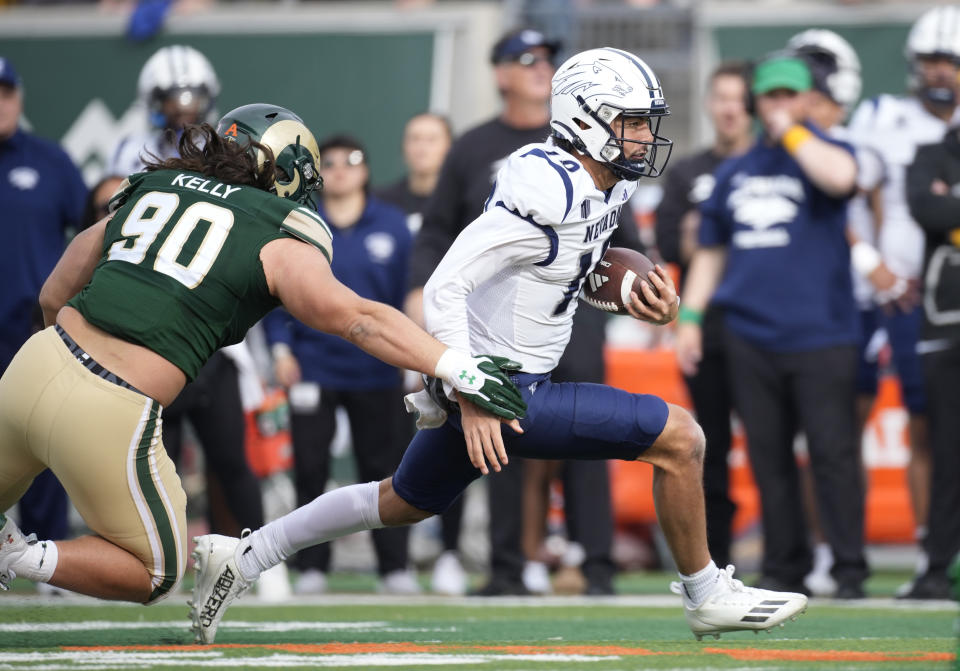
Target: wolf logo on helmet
point(294, 148)
point(594, 90)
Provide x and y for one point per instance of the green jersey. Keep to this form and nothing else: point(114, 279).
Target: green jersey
point(181, 272)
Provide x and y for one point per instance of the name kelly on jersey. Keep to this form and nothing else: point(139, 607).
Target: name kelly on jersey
point(199, 184)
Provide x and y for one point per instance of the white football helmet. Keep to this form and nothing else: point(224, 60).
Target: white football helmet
point(833, 63)
point(180, 73)
point(593, 92)
point(935, 33)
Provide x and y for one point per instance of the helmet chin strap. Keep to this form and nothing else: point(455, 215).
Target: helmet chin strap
point(625, 172)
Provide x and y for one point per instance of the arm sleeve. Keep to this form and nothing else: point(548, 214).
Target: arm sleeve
point(673, 206)
point(934, 214)
point(497, 239)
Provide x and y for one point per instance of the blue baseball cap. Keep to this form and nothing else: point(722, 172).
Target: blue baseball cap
point(8, 75)
point(516, 42)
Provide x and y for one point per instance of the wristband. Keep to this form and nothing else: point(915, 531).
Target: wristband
point(280, 349)
point(794, 137)
point(689, 315)
point(864, 257)
point(446, 363)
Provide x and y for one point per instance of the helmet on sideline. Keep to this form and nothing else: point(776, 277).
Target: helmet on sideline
point(293, 145)
point(595, 88)
point(833, 63)
point(935, 34)
point(182, 76)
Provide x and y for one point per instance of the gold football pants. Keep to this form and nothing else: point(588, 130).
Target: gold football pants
point(103, 442)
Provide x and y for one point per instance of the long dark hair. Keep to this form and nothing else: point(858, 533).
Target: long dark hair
point(203, 150)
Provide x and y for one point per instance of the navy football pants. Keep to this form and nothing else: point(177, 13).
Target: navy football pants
point(568, 420)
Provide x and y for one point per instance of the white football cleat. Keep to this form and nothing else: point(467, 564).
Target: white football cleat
point(731, 606)
point(12, 546)
point(218, 582)
point(536, 577)
point(448, 575)
point(311, 581)
point(400, 582)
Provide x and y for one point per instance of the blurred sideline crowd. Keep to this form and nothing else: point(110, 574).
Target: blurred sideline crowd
point(814, 229)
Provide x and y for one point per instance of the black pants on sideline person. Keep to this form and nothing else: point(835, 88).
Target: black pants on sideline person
point(587, 504)
point(942, 372)
point(212, 404)
point(713, 401)
point(380, 435)
point(777, 394)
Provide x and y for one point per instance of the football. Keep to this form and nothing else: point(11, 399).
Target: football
point(620, 271)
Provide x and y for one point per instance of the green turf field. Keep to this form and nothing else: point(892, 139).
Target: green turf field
point(358, 630)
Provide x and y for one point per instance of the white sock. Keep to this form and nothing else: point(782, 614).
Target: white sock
point(329, 516)
point(698, 585)
point(38, 562)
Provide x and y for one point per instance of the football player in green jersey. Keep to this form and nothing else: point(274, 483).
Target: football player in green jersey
point(198, 248)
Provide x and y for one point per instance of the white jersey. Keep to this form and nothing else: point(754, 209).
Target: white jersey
point(889, 129)
point(509, 284)
point(131, 150)
point(858, 219)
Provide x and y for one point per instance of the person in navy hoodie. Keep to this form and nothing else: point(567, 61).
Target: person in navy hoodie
point(774, 255)
point(43, 197)
point(323, 372)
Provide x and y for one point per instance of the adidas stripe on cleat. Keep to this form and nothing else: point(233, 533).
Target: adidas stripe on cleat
point(732, 606)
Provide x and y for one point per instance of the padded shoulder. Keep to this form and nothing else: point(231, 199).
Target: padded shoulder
point(883, 113)
point(128, 186)
point(541, 182)
point(311, 228)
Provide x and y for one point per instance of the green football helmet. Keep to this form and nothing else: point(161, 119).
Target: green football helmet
point(293, 145)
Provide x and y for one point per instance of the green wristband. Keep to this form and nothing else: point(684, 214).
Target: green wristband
point(689, 315)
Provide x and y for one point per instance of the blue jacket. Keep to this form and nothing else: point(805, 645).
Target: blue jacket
point(372, 258)
point(41, 195)
point(786, 286)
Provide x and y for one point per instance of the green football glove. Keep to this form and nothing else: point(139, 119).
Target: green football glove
point(482, 381)
point(502, 362)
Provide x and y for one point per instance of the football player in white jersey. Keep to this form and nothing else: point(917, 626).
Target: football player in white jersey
point(177, 86)
point(889, 129)
point(510, 284)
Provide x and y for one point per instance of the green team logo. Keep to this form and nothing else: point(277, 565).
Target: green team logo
point(470, 378)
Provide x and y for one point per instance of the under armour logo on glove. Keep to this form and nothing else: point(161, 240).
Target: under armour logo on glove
point(484, 381)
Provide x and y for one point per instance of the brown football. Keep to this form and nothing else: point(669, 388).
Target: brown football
point(620, 271)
